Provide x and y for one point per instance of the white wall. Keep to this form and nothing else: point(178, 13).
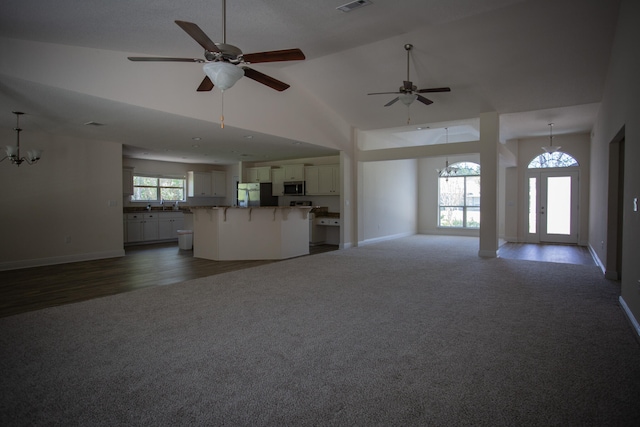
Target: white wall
point(620, 109)
point(67, 207)
point(428, 194)
point(387, 199)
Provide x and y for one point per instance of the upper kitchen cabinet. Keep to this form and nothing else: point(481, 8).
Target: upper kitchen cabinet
point(294, 172)
point(258, 174)
point(277, 182)
point(127, 181)
point(218, 183)
point(322, 180)
point(198, 184)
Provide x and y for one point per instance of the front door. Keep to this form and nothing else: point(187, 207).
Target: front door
point(553, 206)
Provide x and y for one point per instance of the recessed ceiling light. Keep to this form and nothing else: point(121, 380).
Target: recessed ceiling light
point(196, 138)
point(296, 143)
point(249, 136)
point(195, 145)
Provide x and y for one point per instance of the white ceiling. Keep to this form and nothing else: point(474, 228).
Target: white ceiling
point(532, 61)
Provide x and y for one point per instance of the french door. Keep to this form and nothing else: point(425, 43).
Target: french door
point(552, 206)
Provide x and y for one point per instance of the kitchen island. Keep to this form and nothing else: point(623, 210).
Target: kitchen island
point(234, 233)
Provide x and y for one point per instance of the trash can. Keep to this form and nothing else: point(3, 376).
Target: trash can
point(185, 239)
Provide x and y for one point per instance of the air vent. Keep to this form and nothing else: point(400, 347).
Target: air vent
point(353, 5)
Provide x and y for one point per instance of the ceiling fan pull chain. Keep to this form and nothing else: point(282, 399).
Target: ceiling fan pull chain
point(222, 114)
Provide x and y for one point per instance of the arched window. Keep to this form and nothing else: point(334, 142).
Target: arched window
point(557, 159)
point(459, 196)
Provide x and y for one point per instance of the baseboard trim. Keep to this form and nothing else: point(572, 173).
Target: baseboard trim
point(39, 262)
point(597, 259)
point(384, 238)
point(485, 253)
point(627, 311)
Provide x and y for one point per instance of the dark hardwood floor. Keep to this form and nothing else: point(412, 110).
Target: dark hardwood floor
point(163, 264)
point(566, 254)
point(143, 266)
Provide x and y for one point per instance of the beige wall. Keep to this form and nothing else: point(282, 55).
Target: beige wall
point(620, 111)
point(67, 207)
point(387, 199)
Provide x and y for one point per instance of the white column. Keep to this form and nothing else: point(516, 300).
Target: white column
point(489, 140)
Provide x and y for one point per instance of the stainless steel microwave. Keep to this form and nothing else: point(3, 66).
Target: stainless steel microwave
point(294, 188)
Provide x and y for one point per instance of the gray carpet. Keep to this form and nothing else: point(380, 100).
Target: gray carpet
point(415, 331)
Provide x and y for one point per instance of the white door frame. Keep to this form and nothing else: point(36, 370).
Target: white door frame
point(540, 235)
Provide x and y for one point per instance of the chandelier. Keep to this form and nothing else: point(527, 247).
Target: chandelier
point(13, 151)
point(551, 148)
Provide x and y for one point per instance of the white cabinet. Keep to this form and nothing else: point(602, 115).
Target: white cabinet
point(198, 184)
point(277, 182)
point(294, 172)
point(168, 225)
point(142, 227)
point(332, 222)
point(127, 181)
point(151, 226)
point(258, 174)
point(329, 179)
point(322, 180)
point(218, 183)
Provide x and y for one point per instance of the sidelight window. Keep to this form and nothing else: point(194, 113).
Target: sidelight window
point(459, 196)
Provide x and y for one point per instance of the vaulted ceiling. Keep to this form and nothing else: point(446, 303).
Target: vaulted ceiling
point(532, 61)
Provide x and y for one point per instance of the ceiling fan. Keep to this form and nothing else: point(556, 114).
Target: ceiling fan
point(406, 91)
point(224, 64)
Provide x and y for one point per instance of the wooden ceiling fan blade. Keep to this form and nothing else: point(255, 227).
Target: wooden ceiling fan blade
point(393, 101)
point(162, 59)
point(198, 35)
point(264, 79)
point(274, 56)
point(435, 89)
point(206, 85)
point(424, 100)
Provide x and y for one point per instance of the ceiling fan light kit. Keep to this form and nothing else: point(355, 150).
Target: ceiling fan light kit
point(223, 74)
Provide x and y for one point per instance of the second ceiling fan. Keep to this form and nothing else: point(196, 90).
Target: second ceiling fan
point(224, 63)
point(408, 92)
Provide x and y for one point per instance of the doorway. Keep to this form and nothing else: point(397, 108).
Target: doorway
point(553, 206)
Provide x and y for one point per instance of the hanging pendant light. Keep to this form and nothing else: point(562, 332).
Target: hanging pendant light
point(448, 170)
point(551, 148)
point(13, 151)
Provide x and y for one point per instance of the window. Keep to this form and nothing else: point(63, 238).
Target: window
point(459, 196)
point(155, 189)
point(557, 159)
